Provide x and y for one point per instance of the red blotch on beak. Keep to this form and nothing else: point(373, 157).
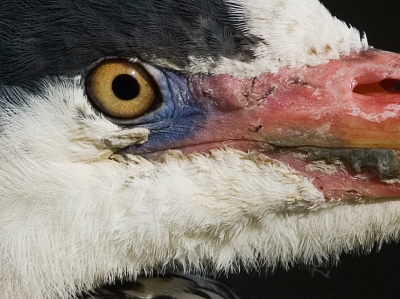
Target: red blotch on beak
point(353, 102)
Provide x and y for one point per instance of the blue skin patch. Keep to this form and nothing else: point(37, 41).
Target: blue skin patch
point(177, 118)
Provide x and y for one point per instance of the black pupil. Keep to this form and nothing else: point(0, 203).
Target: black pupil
point(125, 87)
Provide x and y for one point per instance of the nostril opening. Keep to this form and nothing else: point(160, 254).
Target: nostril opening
point(391, 85)
point(381, 88)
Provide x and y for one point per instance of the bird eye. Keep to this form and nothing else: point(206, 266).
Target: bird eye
point(121, 88)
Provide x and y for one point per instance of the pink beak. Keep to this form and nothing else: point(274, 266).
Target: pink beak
point(344, 115)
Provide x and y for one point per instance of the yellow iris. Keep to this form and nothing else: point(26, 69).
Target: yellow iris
point(121, 88)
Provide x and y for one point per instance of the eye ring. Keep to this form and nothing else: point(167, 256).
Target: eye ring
point(121, 89)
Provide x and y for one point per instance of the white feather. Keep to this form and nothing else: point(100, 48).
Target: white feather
point(294, 33)
point(72, 218)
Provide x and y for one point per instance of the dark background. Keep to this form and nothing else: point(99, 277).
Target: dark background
point(376, 275)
